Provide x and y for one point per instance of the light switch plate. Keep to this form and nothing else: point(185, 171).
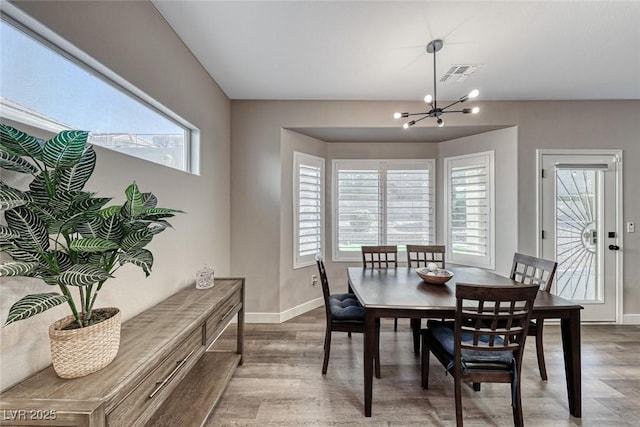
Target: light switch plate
point(631, 227)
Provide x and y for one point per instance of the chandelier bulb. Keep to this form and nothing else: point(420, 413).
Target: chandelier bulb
point(397, 115)
point(440, 122)
point(405, 126)
point(475, 110)
point(428, 99)
point(473, 94)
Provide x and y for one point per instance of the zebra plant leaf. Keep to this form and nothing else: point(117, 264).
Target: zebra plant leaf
point(111, 229)
point(83, 275)
point(22, 255)
point(32, 305)
point(62, 260)
point(92, 244)
point(149, 201)
point(110, 211)
point(161, 212)
point(135, 203)
point(17, 268)
point(90, 228)
point(11, 198)
point(33, 233)
point(64, 149)
point(20, 143)
point(136, 240)
point(75, 177)
point(7, 234)
point(40, 189)
point(15, 163)
point(142, 258)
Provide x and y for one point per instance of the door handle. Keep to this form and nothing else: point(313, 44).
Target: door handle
point(614, 247)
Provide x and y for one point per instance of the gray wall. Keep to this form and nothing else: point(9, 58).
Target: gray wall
point(256, 171)
point(160, 65)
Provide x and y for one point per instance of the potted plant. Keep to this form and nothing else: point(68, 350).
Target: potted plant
point(66, 236)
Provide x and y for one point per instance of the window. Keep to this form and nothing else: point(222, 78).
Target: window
point(469, 210)
point(46, 87)
point(308, 208)
point(381, 202)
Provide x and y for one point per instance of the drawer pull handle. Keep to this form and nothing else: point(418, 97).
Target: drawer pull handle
point(162, 383)
point(227, 313)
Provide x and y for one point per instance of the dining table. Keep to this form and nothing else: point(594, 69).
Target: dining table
point(401, 293)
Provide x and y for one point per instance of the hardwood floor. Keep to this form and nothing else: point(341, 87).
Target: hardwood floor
point(280, 383)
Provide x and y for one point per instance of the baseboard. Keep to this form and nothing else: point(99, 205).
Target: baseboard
point(285, 315)
point(631, 319)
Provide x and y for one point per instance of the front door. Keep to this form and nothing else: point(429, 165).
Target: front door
point(578, 196)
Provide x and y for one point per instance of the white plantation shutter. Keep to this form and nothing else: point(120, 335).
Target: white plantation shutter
point(308, 221)
point(469, 210)
point(358, 209)
point(409, 206)
point(381, 202)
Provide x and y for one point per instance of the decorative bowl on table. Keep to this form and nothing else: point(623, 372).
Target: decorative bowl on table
point(438, 276)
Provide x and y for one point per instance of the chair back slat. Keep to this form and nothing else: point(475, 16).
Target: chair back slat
point(421, 255)
point(497, 317)
point(380, 256)
point(531, 270)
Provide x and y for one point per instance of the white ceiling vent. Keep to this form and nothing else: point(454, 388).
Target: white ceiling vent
point(459, 73)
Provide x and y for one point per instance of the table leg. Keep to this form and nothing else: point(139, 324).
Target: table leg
point(570, 329)
point(415, 328)
point(369, 352)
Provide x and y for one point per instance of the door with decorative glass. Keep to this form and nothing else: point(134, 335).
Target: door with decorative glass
point(580, 227)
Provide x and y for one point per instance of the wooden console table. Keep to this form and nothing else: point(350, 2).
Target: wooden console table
point(163, 374)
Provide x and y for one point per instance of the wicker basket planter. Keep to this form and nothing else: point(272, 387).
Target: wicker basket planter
point(79, 352)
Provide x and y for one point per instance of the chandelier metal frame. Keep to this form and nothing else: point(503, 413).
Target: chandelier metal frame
point(433, 47)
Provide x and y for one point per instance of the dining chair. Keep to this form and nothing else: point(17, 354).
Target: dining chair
point(421, 255)
point(485, 343)
point(531, 270)
point(344, 313)
point(381, 257)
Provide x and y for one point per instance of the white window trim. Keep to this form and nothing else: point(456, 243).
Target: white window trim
point(467, 260)
point(314, 161)
point(58, 44)
point(380, 165)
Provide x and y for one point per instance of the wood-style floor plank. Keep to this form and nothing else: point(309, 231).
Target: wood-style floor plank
point(280, 383)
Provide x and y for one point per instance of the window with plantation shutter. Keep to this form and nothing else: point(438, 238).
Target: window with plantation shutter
point(308, 220)
point(469, 218)
point(380, 202)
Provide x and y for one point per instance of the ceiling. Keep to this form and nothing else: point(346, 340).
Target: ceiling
point(375, 51)
point(394, 134)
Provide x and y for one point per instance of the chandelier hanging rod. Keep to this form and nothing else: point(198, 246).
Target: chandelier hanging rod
point(433, 47)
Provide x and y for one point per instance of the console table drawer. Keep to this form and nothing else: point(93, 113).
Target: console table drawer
point(222, 315)
point(151, 392)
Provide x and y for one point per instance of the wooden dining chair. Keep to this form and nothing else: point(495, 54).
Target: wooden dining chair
point(344, 313)
point(531, 270)
point(381, 257)
point(486, 341)
point(421, 255)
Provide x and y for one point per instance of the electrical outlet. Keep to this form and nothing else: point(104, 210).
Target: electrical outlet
point(314, 280)
point(631, 227)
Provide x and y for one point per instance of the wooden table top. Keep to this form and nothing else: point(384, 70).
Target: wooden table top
point(402, 288)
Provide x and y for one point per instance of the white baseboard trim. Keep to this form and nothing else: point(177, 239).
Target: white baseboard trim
point(631, 319)
point(285, 315)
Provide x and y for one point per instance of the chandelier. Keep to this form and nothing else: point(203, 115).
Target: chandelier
point(433, 47)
